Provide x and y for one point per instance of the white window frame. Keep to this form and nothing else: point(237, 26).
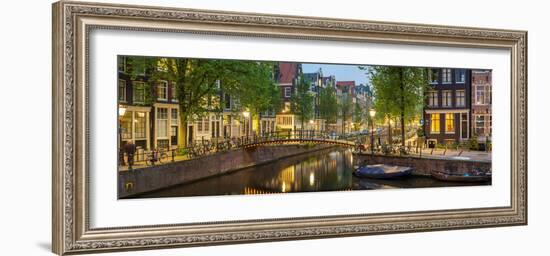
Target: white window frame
point(462, 102)
point(135, 118)
point(444, 73)
point(165, 84)
point(432, 99)
point(288, 92)
point(447, 102)
point(460, 73)
point(124, 97)
point(158, 119)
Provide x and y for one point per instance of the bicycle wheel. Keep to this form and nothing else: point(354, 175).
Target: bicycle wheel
point(163, 156)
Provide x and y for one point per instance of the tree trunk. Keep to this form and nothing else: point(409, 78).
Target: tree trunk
point(403, 128)
point(183, 135)
point(389, 133)
point(402, 87)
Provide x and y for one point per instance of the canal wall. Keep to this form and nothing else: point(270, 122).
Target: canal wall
point(158, 177)
point(425, 165)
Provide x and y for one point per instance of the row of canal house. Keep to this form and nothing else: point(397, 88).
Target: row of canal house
point(288, 75)
point(154, 123)
point(458, 106)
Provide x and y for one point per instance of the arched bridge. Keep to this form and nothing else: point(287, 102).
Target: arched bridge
point(298, 136)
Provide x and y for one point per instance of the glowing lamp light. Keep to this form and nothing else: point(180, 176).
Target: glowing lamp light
point(246, 114)
point(372, 112)
point(121, 111)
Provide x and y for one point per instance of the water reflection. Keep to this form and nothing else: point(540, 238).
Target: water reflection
point(325, 170)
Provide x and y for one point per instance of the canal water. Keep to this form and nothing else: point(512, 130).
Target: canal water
point(325, 170)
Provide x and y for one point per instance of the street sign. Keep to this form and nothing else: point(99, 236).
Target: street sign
point(422, 121)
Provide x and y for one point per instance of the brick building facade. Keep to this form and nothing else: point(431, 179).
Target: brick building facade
point(447, 113)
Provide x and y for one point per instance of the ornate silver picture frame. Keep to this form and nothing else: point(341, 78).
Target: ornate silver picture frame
point(72, 24)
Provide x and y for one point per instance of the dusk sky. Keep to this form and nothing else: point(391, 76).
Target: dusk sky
point(341, 72)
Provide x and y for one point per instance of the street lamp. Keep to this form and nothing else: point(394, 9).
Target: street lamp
point(121, 112)
point(372, 113)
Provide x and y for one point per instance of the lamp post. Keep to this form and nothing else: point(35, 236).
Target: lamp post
point(372, 113)
point(121, 112)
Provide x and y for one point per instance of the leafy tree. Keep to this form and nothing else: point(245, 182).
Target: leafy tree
point(398, 92)
point(346, 109)
point(302, 100)
point(328, 104)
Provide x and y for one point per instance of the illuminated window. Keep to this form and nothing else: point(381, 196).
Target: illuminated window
point(449, 123)
point(126, 125)
point(434, 123)
point(139, 123)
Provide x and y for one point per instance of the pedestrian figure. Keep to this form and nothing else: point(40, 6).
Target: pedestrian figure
point(130, 149)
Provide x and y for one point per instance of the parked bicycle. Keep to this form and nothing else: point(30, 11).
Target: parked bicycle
point(156, 156)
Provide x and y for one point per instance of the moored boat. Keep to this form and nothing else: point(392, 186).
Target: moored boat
point(474, 176)
point(382, 171)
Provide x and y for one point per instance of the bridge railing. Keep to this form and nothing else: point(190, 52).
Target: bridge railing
point(296, 135)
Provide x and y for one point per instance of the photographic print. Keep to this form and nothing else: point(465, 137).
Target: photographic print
point(176, 127)
point(205, 127)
